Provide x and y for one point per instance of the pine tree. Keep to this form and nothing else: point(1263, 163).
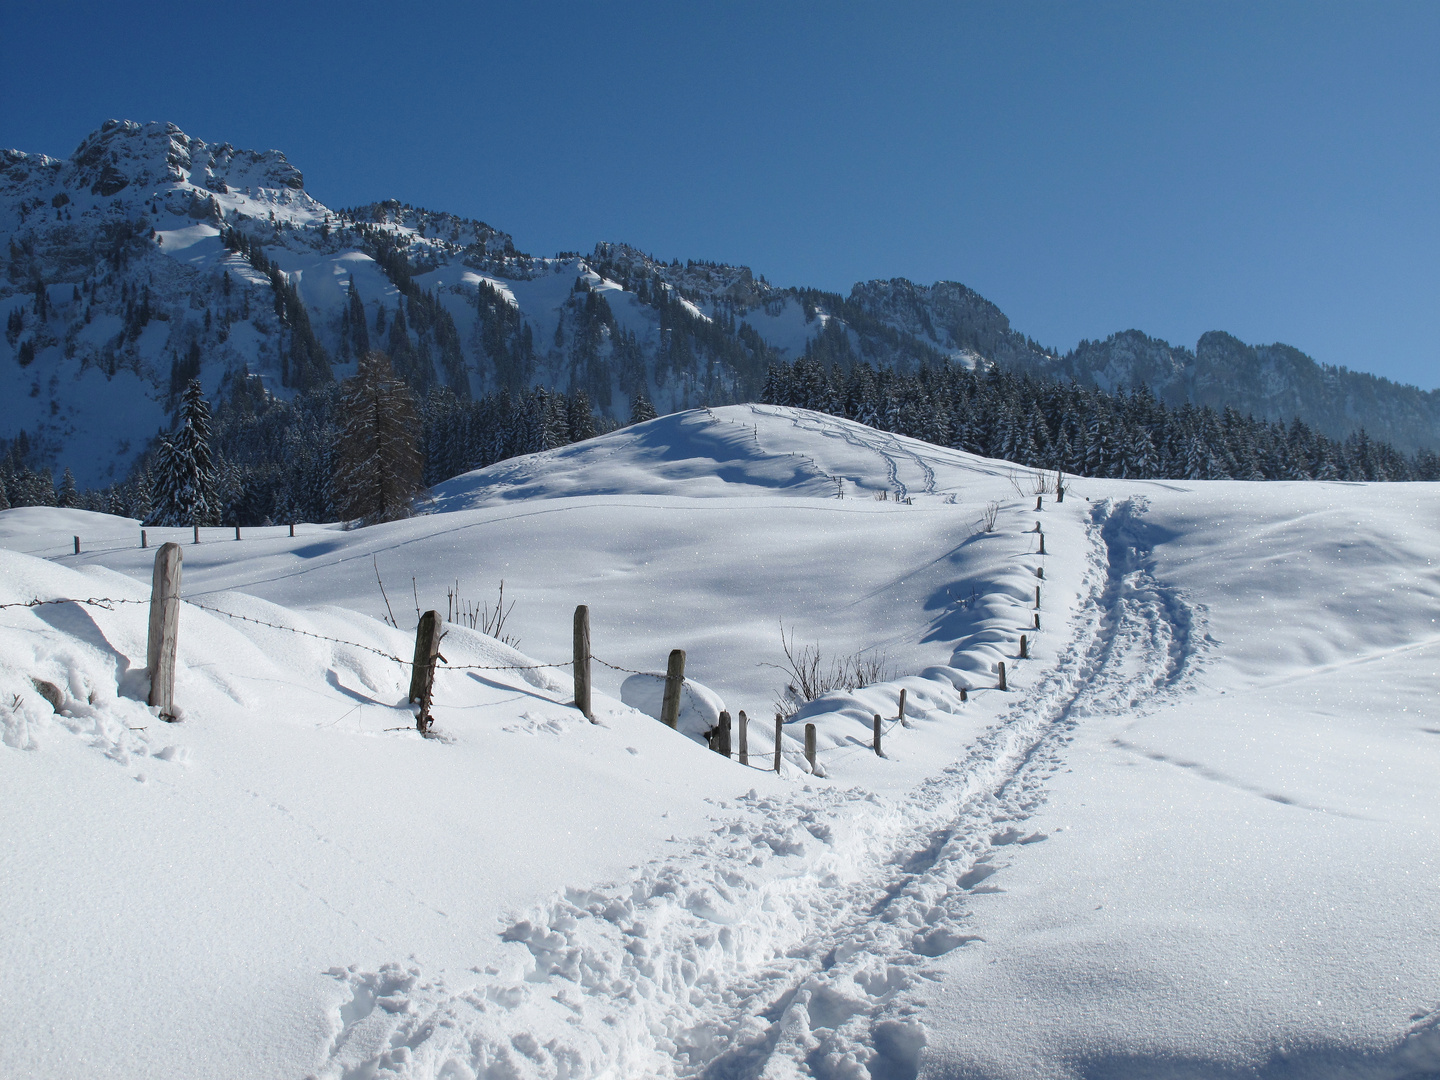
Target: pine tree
point(69, 492)
point(184, 481)
point(641, 409)
point(378, 466)
point(4, 499)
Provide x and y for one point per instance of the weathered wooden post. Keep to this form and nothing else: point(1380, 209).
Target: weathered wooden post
point(237, 532)
point(779, 736)
point(877, 736)
point(1037, 620)
point(144, 541)
point(1024, 648)
point(674, 683)
point(197, 534)
point(1059, 488)
point(292, 528)
point(582, 661)
point(1002, 675)
point(1042, 543)
point(77, 545)
point(901, 714)
point(1040, 572)
point(422, 672)
point(722, 734)
point(964, 695)
point(164, 629)
point(810, 745)
point(1038, 500)
point(744, 738)
point(1037, 597)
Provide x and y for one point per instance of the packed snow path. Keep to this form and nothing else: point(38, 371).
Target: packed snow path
point(793, 940)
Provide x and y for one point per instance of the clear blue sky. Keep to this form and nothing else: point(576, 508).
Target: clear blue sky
point(1268, 169)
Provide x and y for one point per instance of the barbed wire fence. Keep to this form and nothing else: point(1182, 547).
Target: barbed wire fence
point(430, 660)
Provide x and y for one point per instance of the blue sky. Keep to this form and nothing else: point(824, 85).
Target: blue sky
point(1271, 170)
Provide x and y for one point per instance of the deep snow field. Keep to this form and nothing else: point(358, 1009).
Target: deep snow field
point(1197, 836)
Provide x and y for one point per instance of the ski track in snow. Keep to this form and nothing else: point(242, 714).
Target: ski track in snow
point(794, 939)
point(883, 444)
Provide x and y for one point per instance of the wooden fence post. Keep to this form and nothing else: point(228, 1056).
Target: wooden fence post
point(164, 629)
point(1040, 572)
point(1039, 499)
point(877, 736)
point(1037, 597)
point(1042, 543)
point(674, 683)
point(1060, 489)
point(964, 695)
point(722, 734)
point(77, 545)
point(582, 661)
point(744, 738)
point(292, 528)
point(901, 714)
point(779, 736)
point(1002, 675)
point(144, 541)
point(1037, 620)
point(1024, 648)
point(422, 672)
point(237, 532)
point(810, 745)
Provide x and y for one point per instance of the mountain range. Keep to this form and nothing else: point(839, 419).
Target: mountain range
point(149, 257)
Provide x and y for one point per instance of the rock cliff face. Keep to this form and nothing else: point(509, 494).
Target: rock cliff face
point(149, 256)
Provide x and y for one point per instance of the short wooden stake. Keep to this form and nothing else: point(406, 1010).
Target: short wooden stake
point(722, 734)
point(1059, 491)
point(144, 541)
point(674, 683)
point(77, 545)
point(164, 630)
point(877, 736)
point(292, 528)
point(810, 745)
point(422, 672)
point(582, 662)
point(779, 737)
point(1002, 675)
point(901, 714)
point(1024, 648)
point(237, 532)
point(1037, 620)
point(197, 534)
point(1040, 572)
point(1038, 500)
point(1042, 543)
point(964, 695)
point(1037, 597)
point(744, 738)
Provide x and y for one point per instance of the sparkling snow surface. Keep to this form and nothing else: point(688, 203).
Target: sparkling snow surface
point(1197, 837)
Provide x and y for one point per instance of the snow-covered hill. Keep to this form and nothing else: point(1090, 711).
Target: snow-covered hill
point(146, 258)
point(1194, 837)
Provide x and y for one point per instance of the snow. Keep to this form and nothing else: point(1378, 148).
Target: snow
point(1196, 836)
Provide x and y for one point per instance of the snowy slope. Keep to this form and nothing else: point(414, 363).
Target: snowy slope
point(1195, 837)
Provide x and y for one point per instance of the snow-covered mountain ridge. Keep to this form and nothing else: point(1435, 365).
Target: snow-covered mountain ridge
point(143, 260)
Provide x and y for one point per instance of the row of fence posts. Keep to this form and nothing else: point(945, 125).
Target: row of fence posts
point(145, 538)
point(164, 632)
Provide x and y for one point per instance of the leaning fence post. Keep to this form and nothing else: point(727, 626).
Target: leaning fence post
point(422, 672)
point(582, 661)
point(722, 734)
point(877, 736)
point(674, 683)
point(901, 714)
point(1002, 674)
point(164, 629)
point(1024, 648)
point(779, 735)
point(810, 745)
point(744, 738)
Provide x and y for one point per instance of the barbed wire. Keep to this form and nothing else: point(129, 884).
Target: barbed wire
point(93, 601)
